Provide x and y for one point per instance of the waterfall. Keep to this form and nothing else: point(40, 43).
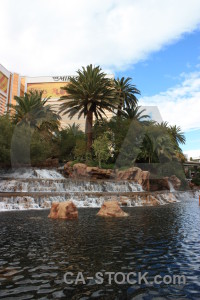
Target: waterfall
point(171, 187)
point(38, 188)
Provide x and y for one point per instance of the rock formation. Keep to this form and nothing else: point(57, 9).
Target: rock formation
point(63, 210)
point(135, 174)
point(83, 171)
point(111, 209)
point(176, 182)
point(159, 184)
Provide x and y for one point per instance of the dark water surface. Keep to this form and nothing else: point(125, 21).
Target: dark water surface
point(35, 253)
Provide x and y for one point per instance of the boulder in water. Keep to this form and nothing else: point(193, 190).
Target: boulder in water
point(63, 210)
point(111, 209)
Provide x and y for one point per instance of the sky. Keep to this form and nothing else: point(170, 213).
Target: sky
point(156, 43)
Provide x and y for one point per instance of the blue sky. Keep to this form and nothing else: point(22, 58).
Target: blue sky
point(163, 70)
point(155, 42)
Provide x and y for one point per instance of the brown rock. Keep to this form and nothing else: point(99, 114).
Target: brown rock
point(130, 174)
point(159, 184)
point(79, 170)
point(97, 173)
point(135, 174)
point(153, 201)
point(124, 201)
point(63, 210)
point(176, 182)
point(145, 180)
point(68, 169)
point(51, 163)
point(111, 209)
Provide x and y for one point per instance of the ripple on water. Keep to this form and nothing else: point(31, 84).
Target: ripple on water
point(35, 253)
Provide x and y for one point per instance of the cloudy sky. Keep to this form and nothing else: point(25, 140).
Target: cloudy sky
point(155, 42)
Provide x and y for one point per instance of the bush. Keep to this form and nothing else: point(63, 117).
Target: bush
point(6, 132)
point(80, 150)
point(102, 148)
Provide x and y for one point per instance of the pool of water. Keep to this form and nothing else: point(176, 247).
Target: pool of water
point(36, 252)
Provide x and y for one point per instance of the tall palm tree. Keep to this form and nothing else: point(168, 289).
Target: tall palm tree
point(90, 93)
point(33, 110)
point(135, 113)
point(177, 135)
point(126, 93)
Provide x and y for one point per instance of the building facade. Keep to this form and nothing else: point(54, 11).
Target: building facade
point(5, 89)
point(12, 84)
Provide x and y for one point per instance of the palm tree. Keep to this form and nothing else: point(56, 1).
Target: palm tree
point(90, 93)
point(33, 110)
point(177, 135)
point(126, 93)
point(133, 112)
point(156, 144)
point(74, 129)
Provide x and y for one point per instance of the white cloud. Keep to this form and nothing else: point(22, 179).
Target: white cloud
point(192, 153)
point(44, 37)
point(180, 105)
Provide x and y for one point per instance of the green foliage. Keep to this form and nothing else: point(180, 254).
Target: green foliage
point(123, 141)
point(67, 144)
point(196, 179)
point(156, 146)
point(80, 150)
point(102, 148)
point(128, 139)
point(125, 94)
point(69, 139)
point(40, 148)
point(32, 110)
point(89, 93)
point(134, 113)
point(20, 145)
point(6, 131)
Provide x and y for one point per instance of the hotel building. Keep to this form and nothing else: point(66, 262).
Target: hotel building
point(12, 84)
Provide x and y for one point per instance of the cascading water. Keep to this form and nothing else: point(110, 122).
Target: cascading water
point(67, 185)
point(34, 188)
point(171, 187)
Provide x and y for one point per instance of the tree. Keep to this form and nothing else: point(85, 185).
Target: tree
point(177, 135)
point(89, 93)
point(133, 112)
point(74, 129)
point(32, 114)
point(80, 149)
point(31, 109)
point(102, 148)
point(156, 146)
point(6, 131)
point(126, 94)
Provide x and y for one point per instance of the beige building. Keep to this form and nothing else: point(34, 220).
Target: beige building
point(12, 84)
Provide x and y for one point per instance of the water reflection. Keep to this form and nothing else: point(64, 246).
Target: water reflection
point(37, 251)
